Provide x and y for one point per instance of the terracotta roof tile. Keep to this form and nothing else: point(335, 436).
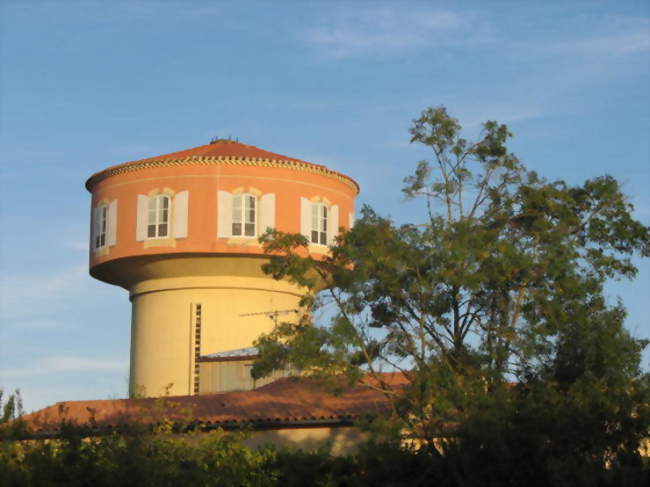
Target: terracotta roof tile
point(222, 148)
point(285, 400)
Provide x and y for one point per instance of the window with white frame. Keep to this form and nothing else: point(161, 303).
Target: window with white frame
point(101, 224)
point(158, 216)
point(244, 215)
point(161, 216)
point(319, 223)
point(319, 220)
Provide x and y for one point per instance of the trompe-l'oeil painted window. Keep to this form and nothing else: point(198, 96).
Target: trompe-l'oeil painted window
point(158, 216)
point(318, 223)
point(244, 215)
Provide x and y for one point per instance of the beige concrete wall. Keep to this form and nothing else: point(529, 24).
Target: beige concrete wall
point(339, 440)
point(233, 315)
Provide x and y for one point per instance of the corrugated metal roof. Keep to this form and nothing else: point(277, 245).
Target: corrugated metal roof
point(239, 352)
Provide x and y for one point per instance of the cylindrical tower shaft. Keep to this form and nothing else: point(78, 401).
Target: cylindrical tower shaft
point(177, 319)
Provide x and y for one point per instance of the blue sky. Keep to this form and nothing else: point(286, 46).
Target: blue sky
point(84, 85)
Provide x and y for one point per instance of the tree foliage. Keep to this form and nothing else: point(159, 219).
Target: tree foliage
point(11, 408)
point(137, 457)
point(492, 307)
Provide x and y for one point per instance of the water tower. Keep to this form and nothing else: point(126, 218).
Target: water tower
point(180, 233)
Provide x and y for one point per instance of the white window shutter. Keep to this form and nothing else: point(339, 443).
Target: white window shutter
point(180, 214)
point(224, 210)
point(94, 222)
point(267, 219)
point(141, 220)
point(305, 217)
point(351, 220)
point(333, 224)
point(111, 224)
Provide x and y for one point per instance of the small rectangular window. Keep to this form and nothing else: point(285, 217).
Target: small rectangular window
point(319, 223)
point(100, 226)
point(158, 216)
point(244, 215)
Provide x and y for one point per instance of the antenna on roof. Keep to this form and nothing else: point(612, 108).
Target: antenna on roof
point(273, 314)
point(217, 139)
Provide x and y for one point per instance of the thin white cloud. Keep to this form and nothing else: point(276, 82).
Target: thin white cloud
point(614, 44)
point(56, 365)
point(33, 294)
point(502, 114)
point(75, 237)
point(473, 117)
point(146, 8)
point(78, 244)
point(388, 29)
point(38, 324)
point(41, 285)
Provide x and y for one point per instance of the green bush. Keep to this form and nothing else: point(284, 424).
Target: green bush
point(134, 457)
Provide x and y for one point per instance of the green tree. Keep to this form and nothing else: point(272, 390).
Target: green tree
point(12, 408)
point(492, 309)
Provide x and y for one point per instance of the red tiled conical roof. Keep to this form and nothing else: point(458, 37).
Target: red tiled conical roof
point(218, 150)
point(222, 148)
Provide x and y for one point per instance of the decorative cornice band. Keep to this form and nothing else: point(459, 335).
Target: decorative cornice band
point(225, 160)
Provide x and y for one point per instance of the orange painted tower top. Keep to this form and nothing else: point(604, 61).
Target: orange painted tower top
point(213, 199)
